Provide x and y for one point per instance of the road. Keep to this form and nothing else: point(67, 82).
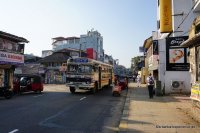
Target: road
point(56, 110)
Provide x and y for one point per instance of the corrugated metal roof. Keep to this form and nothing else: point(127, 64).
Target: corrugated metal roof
point(194, 41)
point(12, 37)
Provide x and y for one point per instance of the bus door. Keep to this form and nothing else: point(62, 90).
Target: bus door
point(100, 77)
point(111, 76)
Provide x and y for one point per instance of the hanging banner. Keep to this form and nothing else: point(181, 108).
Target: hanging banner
point(165, 16)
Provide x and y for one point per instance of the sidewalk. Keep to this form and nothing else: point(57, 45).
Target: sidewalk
point(165, 114)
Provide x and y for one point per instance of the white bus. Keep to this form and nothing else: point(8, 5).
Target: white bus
point(88, 74)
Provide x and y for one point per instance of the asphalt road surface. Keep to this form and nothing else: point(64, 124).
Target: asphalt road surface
point(56, 110)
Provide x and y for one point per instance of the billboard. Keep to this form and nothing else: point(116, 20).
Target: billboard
point(176, 56)
point(165, 16)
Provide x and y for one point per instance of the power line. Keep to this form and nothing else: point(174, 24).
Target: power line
point(187, 15)
point(185, 18)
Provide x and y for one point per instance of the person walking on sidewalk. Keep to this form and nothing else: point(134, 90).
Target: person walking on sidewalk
point(138, 80)
point(150, 84)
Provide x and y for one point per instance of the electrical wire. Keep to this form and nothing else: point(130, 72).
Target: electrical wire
point(185, 17)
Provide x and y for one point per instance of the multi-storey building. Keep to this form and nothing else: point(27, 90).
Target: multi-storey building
point(51, 68)
point(11, 55)
point(92, 39)
point(174, 20)
point(193, 43)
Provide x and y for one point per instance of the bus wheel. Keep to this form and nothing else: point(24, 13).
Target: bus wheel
point(72, 89)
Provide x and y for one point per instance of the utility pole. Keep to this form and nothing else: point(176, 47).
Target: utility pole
point(80, 50)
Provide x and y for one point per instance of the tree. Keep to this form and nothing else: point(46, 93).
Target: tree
point(136, 63)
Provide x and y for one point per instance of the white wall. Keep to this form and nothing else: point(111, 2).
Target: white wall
point(166, 77)
point(162, 61)
point(182, 7)
point(177, 76)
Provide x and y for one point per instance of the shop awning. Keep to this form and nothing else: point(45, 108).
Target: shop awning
point(194, 41)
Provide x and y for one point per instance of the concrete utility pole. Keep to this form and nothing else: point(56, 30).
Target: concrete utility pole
point(80, 50)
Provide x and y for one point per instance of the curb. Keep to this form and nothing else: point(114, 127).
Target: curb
point(123, 125)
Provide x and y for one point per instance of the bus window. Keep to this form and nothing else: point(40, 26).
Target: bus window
point(85, 69)
point(72, 68)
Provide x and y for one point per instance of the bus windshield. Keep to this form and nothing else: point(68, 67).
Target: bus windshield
point(80, 68)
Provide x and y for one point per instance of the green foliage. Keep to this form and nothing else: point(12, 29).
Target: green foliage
point(135, 61)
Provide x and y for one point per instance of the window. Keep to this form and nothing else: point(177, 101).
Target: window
point(158, 24)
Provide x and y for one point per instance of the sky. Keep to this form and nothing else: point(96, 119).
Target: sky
point(124, 24)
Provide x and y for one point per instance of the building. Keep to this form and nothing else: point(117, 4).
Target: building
point(46, 53)
point(30, 66)
point(11, 55)
point(151, 58)
point(92, 40)
point(109, 59)
point(193, 43)
point(173, 22)
point(52, 65)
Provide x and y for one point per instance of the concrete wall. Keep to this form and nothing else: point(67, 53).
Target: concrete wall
point(166, 77)
point(180, 10)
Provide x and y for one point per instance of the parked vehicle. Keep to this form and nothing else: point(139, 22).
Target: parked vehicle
point(122, 81)
point(27, 83)
point(116, 90)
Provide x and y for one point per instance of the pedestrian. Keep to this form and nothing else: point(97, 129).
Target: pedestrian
point(138, 79)
point(150, 84)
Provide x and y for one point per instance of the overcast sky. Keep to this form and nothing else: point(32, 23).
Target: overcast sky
point(124, 24)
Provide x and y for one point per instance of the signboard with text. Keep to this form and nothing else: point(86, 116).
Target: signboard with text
point(176, 56)
point(165, 16)
point(11, 58)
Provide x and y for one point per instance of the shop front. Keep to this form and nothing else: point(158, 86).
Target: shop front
point(11, 54)
point(193, 43)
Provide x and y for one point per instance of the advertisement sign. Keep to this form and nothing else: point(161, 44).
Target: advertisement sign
point(195, 92)
point(165, 16)
point(11, 58)
point(176, 56)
